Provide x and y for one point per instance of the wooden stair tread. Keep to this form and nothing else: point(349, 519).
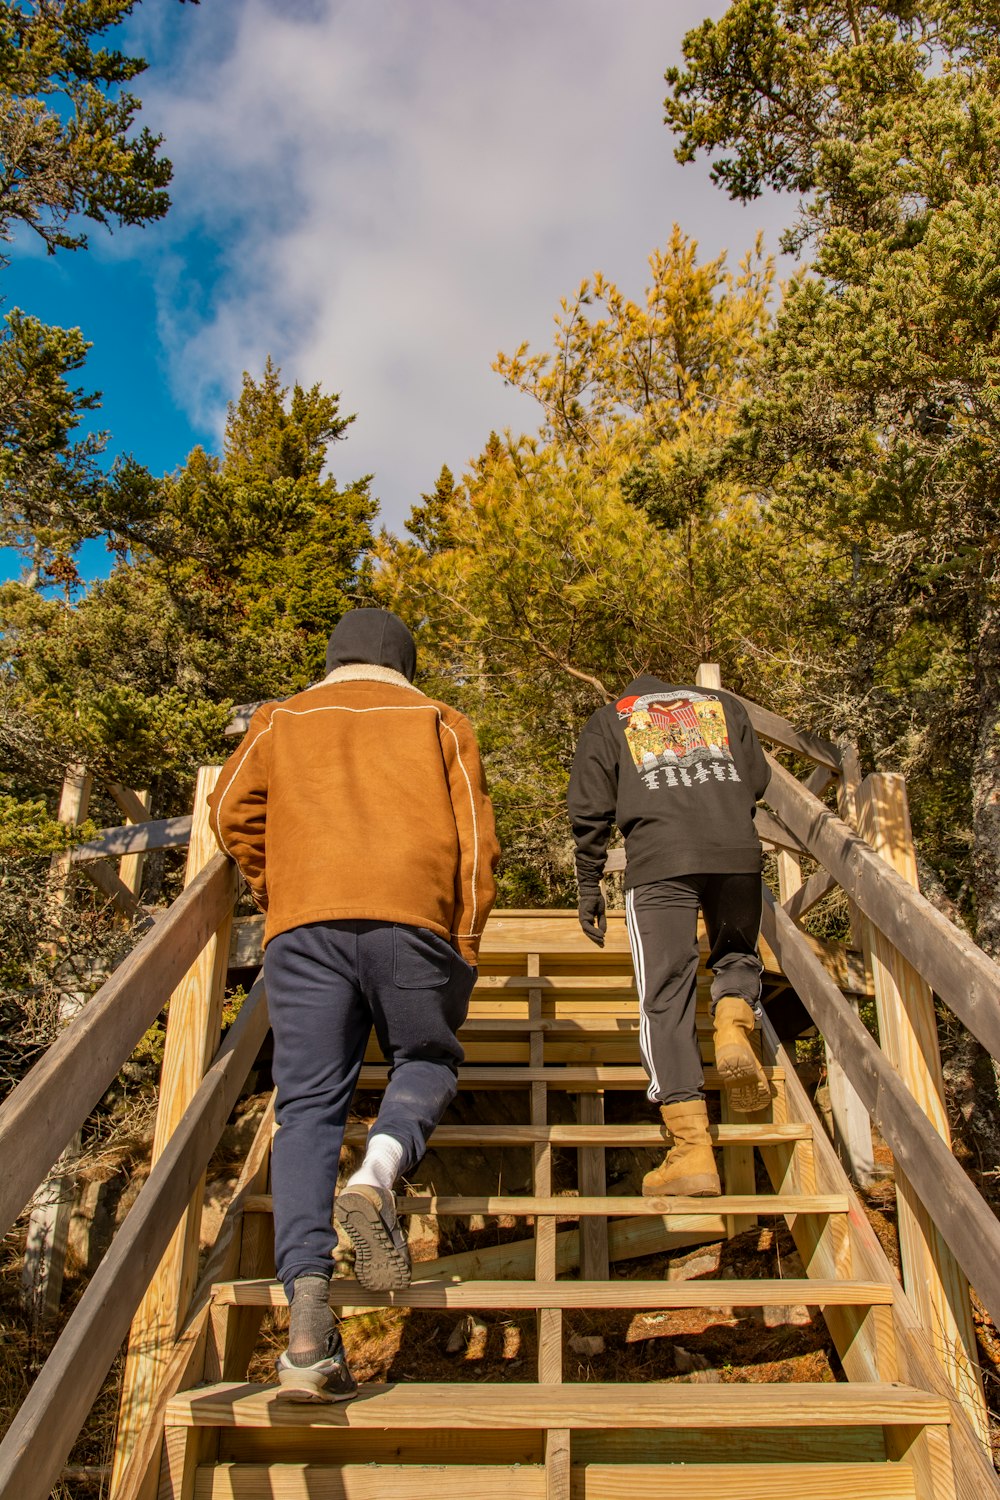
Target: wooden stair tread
point(575, 1207)
point(603, 1294)
point(764, 1134)
point(593, 1404)
point(424, 1481)
point(566, 1076)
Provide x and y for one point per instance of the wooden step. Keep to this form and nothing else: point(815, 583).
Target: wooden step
point(593, 1135)
point(571, 1076)
point(820, 1481)
point(344, 1290)
point(594, 1404)
point(571, 1207)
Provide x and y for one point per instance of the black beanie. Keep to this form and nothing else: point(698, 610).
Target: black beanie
point(375, 637)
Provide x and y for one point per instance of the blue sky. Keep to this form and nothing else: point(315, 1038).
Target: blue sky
point(381, 194)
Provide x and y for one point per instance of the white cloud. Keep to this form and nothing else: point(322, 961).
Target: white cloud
point(390, 191)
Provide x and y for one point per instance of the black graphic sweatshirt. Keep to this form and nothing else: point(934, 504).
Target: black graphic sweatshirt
point(679, 769)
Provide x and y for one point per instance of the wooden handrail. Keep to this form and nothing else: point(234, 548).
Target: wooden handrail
point(46, 1426)
point(46, 1107)
point(962, 974)
point(971, 1230)
point(773, 727)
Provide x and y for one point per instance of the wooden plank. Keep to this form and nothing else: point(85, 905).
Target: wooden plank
point(188, 1360)
point(572, 1076)
point(591, 1135)
point(803, 897)
point(601, 1404)
point(780, 732)
point(40, 1115)
point(592, 1182)
point(48, 1222)
point(738, 1174)
point(571, 1207)
point(129, 803)
point(908, 1033)
point(967, 1224)
point(976, 1478)
point(136, 838)
point(549, 1320)
point(131, 865)
point(748, 1481)
point(557, 1464)
point(955, 968)
point(370, 1481)
point(603, 1294)
point(43, 1431)
point(194, 1024)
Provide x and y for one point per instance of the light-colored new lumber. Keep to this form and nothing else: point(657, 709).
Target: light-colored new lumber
point(130, 803)
point(131, 865)
point(363, 1481)
point(194, 1025)
point(593, 1404)
point(39, 1116)
point(601, 1294)
point(966, 1222)
point(975, 1477)
point(780, 732)
point(549, 1323)
point(571, 1076)
point(741, 1482)
point(189, 1357)
point(908, 1033)
point(750, 1133)
point(42, 1433)
point(803, 897)
point(965, 978)
point(571, 1207)
point(592, 1181)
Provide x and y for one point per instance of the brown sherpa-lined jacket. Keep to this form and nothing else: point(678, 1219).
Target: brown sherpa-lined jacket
point(361, 798)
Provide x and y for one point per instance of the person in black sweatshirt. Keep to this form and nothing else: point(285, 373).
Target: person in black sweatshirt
point(679, 770)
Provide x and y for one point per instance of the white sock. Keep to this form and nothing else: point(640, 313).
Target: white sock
point(382, 1164)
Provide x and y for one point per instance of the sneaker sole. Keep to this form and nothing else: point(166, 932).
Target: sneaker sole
point(378, 1264)
point(297, 1386)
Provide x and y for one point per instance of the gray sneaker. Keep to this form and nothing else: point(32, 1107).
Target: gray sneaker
point(368, 1216)
point(326, 1379)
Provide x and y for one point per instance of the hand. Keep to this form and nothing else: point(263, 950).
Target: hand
point(592, 919)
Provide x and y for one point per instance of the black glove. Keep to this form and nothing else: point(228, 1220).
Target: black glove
point(591, 913)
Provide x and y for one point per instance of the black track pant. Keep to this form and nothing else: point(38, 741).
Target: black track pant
point(662, 922)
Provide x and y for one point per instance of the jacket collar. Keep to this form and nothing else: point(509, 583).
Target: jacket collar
point(362, 671)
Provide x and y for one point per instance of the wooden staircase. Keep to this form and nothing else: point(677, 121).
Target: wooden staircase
point(545, 999)
point(553, 1025)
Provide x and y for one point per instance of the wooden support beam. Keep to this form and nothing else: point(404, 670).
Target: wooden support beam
point(130, 869)
point(135, 838)
point(955, 968)
point(130, 803)
point(549, 1319)
point(42, 1434)
point(41, 1113)
point(799, 898)
point(193, 1028)
point(592, 1184)
point(908, 1034)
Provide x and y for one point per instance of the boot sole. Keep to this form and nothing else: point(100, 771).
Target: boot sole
point(378, 1264)
point(747, 1089)
point(699, 1186)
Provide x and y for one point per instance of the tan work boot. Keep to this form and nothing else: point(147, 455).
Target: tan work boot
point(742, 1075)
point(689, 1168)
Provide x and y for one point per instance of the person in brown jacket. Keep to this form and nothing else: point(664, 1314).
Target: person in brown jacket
point(358, 814)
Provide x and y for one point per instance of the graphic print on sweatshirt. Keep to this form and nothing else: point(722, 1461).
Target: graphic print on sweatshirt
point(677, 739)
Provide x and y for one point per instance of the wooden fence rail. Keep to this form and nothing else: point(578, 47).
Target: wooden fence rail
point(136, 838)
point(42, 1434)
point(52, 1102)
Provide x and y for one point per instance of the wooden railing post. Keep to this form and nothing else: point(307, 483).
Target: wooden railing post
point(908, 1036)
point(48, 1223)
point(193, 1030)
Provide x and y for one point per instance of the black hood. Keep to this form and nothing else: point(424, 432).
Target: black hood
point(373, 636)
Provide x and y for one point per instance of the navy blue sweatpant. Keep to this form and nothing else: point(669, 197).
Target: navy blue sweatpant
point(327, 984)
